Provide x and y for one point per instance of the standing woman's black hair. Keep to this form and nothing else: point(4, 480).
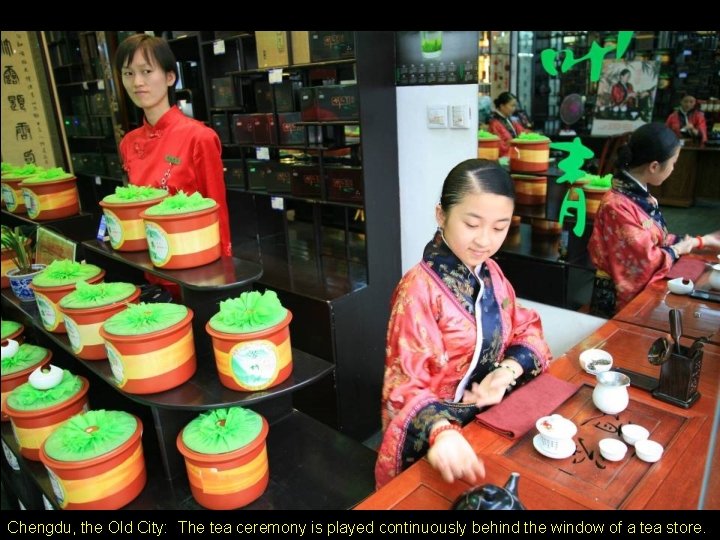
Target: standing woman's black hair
point(502, 99)
point(475, 176)
point(625, 71)
point(648, 143)
point(155, 50)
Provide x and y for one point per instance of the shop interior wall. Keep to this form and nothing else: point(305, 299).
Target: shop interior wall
point(425, 156)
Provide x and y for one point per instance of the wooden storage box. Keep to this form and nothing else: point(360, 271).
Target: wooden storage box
point(344, 184)
point(219, 123)
point(278, 98)
point(242, 128)
point(337, 102)
point(331, 45)
point(234, 172)
point(223, 92)
point(300, 42)
point(272, 48)
point(306, 181)
point(264, 131)
point(288, 130)
point(280, 178)
point(258, 172)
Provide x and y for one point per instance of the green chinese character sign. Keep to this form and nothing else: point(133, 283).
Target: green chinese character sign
point(596, 56)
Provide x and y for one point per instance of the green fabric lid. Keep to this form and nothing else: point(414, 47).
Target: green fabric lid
point(50, 175)
point(28, 398)
point(180, 203)
point(88, 295)
point(9, 328)
point(222, 430)
point(138, 319)
point(133, 193)
point(531, 137)
point(27, 356)
point(65, 272)
point(250, 312)
point(599, 182)
point(23, 171)
point(482, 134)
point(89, 435)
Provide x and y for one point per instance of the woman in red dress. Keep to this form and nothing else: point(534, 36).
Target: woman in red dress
point(170, 150)
point(501, 122)
point(630, 245)
point(457, 339)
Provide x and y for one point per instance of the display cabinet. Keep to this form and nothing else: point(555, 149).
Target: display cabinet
point(316, 206)
point(303, 452)
point(93, 112)
point(313, 196)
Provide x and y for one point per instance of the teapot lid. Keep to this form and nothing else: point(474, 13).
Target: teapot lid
point(556, 426)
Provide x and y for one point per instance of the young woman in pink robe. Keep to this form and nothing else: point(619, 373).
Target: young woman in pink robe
point(457, 340)
point(630, 244)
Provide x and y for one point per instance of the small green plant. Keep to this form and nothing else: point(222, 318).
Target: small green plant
point(21, 247)
point(434, 45)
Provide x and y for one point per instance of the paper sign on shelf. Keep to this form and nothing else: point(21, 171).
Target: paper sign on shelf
point(218, 47)
point(275, 76)
point(277, 203)
point(50, 246)
point(262, 152)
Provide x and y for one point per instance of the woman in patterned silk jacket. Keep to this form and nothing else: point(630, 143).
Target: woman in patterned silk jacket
point(630, 244)
point(457, 340)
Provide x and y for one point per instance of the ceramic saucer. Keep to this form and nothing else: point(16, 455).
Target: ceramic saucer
point(566, 449)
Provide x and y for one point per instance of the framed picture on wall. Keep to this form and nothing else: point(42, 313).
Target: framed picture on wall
point(625, 96)
point(436, 57)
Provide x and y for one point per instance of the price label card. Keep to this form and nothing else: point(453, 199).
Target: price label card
point(262, 152)
point(102, 229)
point(219, 47)
point(275, 76)
point(101, 84)
point(277, 203)
point(50, 246)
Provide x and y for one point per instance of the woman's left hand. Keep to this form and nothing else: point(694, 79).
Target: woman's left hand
point(490, 390)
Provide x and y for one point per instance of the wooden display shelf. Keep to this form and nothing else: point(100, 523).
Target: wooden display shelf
point(292, 197)
point(77, 228)
point(310, 65)
point(76, 83)
point(225, 273)
point(312, 467)
point(203, 391)
point(354, 122)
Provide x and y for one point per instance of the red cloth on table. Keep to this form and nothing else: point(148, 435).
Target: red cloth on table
point(517, 413)
point(687, 268)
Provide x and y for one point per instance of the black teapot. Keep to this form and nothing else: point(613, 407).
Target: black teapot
point(490, 497)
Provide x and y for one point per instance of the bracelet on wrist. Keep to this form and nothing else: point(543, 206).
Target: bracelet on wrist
point(700, 242)
point(498, 365)
point(445, 427)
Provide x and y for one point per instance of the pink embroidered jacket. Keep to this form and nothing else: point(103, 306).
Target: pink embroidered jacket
point(627, 244)
point(430, 345)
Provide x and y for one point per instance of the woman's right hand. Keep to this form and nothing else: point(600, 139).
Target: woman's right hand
point(712, 240)
point(454, 458)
